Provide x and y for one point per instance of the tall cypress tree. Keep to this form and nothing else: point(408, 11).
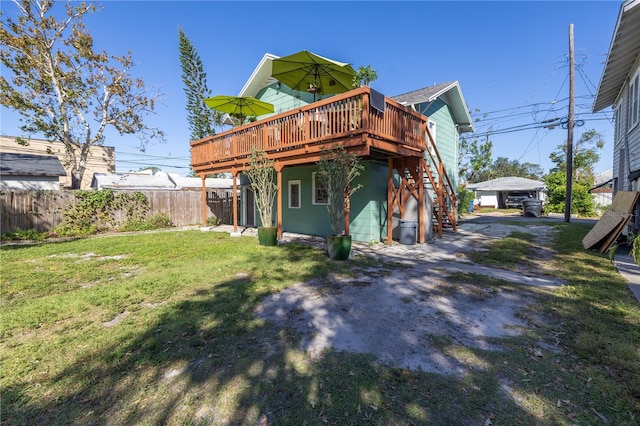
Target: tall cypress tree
point(202, 119)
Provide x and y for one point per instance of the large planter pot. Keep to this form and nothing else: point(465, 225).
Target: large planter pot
point(339, 247)
point(268, 236)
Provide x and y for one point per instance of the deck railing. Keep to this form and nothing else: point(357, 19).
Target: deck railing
point(321, 122)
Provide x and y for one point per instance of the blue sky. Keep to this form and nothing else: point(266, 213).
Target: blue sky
point(511, 59)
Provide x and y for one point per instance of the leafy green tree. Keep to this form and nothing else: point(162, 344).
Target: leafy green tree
point(581, 201)
point(464, 197)
point(62, 88)
point(474, 159)
point(202, 119)
point(503, 167)
point(585, 156)
point(364, 76)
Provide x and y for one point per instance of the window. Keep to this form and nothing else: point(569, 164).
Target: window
point(294, 194)
point(634, 99)
point(432, 131)
point(617, 136)
point(320, 195)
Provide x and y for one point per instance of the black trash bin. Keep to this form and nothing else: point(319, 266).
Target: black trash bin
point(532, 208)
point(408, 231)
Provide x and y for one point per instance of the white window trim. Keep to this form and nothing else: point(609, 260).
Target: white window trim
point(313, 193)
point(634, 102)
point(433, 128)
point(291, 183)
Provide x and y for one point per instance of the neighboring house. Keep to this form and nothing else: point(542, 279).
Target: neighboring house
point(493, 193)
point(30, 172)
point(620, 87)
point(602, 190)
point(134, 181)
point(390, 139)
point(160, 181)
point(102, 159)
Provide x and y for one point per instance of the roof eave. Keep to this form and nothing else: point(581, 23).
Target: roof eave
point(260, 77)
point(623, 52)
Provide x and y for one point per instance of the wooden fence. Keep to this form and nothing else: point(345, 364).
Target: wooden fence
point(43, 210)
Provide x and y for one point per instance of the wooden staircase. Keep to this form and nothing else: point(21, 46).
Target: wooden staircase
point(422, 175)
point(445, 210)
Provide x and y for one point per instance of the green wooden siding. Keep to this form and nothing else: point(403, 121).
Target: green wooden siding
point(283, 99)
point(368, 204)
point(446, 135)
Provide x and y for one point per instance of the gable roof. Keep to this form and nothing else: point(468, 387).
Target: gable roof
point(30, 165)
point(260, 77)
point(451, 93)
point(623, 53)
point(511, 183)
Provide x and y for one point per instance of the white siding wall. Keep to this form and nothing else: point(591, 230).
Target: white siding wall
point(29, 183)
point(633, 134)
point(626, 151)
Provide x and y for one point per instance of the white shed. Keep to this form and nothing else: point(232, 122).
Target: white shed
point(492, 193)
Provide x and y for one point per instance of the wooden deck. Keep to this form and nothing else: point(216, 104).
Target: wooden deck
point(299, 136)
point(397, 135)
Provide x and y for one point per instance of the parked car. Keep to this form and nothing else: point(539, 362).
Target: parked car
point(514, 199)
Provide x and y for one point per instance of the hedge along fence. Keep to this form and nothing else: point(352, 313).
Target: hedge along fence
point(43, 210)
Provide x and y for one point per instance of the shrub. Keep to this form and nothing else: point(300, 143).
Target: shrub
point(157, 221)
point(213, 221)
point(20, 235)
point(95, 212)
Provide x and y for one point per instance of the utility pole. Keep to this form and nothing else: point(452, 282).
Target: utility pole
point(567, 203)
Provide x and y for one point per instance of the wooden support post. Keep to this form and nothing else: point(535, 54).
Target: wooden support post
point(279, 205)
point(421, 212)
point(365, 110)
point(402, 169)
point(307, 126)
point(204, 199)
point(265, 138)
point(390, 200)
point(234, 174)
point(441, 208)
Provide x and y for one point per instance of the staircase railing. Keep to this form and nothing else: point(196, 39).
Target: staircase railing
point(445, 204)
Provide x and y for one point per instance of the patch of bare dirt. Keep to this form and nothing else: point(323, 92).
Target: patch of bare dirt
point(402, 315)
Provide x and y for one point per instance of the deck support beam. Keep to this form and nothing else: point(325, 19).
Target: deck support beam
point(204, 199)
point(234, 174)
point(279, 205)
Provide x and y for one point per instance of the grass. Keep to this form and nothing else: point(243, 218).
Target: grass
point(509, 252)
point(159, 329)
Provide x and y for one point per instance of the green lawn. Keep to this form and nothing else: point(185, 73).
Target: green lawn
point(158, 328)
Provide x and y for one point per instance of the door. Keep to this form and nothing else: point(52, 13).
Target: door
point(249, 208)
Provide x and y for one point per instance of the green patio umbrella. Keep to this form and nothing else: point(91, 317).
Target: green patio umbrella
point(306, 71)
point(239, 106)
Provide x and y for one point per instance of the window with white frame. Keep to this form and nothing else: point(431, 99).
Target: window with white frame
point(432, 130)
point(617, 136)
point(294, 194)
point(320, 195)
point(634, 101)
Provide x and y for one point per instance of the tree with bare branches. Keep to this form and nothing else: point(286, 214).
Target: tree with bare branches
point(62, 88)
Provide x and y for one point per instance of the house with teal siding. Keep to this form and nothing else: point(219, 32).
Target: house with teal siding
point(447, 118)
point(385, 179)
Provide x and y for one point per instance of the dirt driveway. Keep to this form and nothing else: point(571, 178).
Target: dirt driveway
point(396, 313)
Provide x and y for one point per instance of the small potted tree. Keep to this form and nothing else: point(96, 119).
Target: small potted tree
point(336, 170)
point(261, 177)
